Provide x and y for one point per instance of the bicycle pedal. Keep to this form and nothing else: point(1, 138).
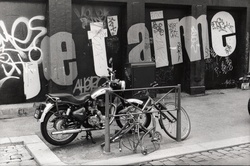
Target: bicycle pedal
point(144, 152)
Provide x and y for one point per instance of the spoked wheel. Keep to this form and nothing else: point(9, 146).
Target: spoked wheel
point(150, 142)
point(168, 121)
point(112, 110)
point(117, 136)
point(129, 141)
point(53, 123)
point(145, 119)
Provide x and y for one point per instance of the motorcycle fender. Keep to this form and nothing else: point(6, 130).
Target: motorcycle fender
point(48, 107)
point(137, 101)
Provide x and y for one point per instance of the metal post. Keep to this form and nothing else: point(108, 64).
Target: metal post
point(178, 132)
point(107, 127)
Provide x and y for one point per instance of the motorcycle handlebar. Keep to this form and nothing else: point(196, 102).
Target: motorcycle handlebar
point(111, 72)
point(113, 80)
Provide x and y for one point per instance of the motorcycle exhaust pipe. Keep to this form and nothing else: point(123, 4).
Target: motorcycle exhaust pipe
point(67, 131)
point(74, 131)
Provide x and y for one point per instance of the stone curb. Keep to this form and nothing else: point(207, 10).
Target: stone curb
point(37, 148)
point(171, 152)
point(17, 110)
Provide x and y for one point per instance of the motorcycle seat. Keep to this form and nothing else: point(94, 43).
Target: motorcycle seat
point(67, 97)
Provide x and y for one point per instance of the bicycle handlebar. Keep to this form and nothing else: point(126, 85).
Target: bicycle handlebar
point(146, 91)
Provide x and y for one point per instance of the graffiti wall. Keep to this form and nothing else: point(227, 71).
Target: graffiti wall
point(178, 39)
point(21, 56)
point(35, 55)
point(30, 58)
point(225, 34)
point(166, 26)
point(97, 35)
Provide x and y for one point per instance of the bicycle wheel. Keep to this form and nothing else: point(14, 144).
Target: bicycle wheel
point(150, 142)
point(120, 133)
point(130, 141)
point(168, 121)
point(145, 119)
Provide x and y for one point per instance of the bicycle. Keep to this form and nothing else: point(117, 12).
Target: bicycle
point(168, 114)
point(136, 134)
point(167, 121)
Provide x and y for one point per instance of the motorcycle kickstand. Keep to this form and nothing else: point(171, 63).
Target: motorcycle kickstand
point(89, 134)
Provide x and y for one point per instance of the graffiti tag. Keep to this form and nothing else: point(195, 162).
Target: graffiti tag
point(88, 84)
point(89, 14)
point(22, 53)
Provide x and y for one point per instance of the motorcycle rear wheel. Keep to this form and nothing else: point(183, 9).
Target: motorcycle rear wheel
point(48, 126)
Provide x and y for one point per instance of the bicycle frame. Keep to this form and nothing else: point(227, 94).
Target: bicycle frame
point(151, 106)
point(132, 123)
point(159, 110)
point(159, 107)
point(134, 126)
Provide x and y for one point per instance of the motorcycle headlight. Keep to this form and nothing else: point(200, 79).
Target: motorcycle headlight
point(122, 84)
point(117, 84)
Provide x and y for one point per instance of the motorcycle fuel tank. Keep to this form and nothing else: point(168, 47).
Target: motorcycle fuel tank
point(99, 91)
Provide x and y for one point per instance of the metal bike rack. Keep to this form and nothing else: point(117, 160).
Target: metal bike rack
point(177, 103)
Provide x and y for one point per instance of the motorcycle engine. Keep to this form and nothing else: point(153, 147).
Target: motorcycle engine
point(94, 120)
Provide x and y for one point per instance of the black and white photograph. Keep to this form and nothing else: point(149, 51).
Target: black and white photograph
point(124, 82)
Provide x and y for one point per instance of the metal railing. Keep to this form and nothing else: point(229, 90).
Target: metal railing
point(177, 97)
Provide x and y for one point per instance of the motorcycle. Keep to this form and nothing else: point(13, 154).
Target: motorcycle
point(245, 81)
point(63, 116)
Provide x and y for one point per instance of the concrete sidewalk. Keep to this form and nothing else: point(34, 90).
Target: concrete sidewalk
point(219, 120)
point(30, 150)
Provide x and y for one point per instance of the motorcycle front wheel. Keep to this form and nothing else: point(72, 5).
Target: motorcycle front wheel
point(54, 123)
point(145, 119)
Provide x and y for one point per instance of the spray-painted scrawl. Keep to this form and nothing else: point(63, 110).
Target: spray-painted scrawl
point(89, 14)
point(222, 29)
point(175, 41)
point(113, 25)
point(223, 33)
point(60, 63)
point(141, 52)
point(16, 51)
point(159, 37)
point(99, 21)
point(98, 34)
